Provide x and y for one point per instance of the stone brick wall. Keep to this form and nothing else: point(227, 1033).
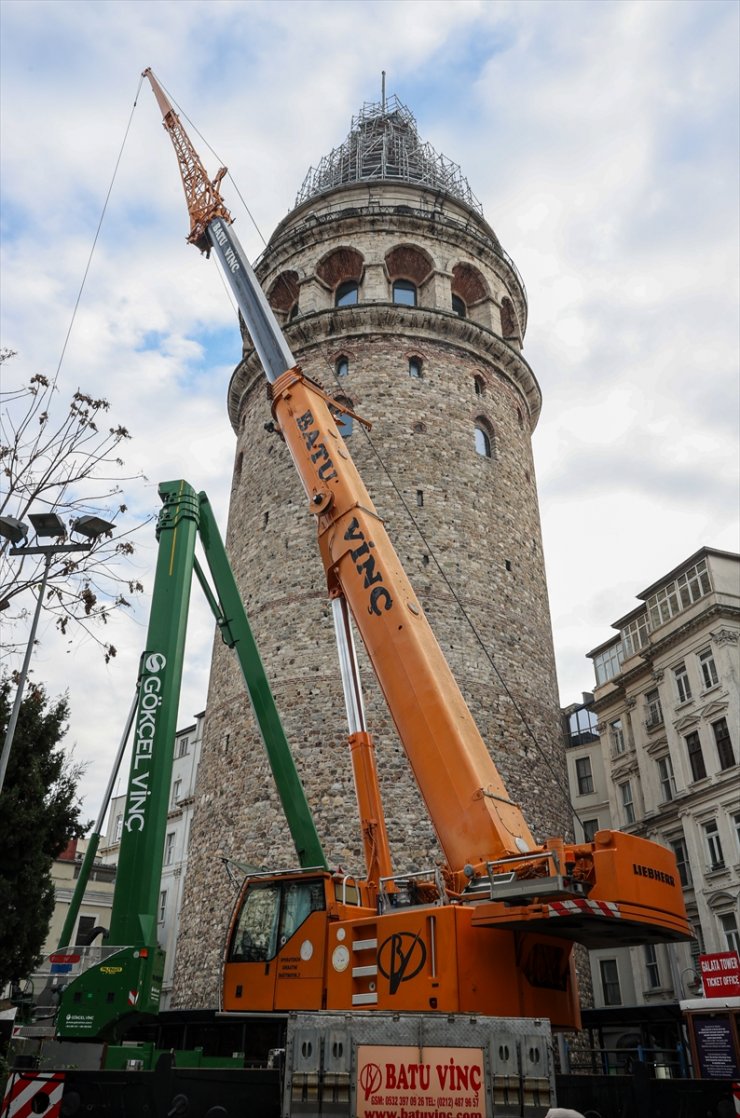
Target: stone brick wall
point(476, 517)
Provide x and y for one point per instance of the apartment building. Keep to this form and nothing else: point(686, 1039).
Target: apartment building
point(655, 752)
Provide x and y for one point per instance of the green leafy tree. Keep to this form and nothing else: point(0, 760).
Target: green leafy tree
point(39, 814)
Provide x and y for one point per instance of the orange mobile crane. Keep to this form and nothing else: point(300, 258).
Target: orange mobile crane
point(493, 931)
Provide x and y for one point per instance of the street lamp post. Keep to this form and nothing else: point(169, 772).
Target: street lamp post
point(47, 524)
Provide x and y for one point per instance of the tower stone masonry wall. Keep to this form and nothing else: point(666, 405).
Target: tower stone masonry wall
point(477, 517)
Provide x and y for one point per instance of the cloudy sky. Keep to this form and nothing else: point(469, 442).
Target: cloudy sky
point(601, 138)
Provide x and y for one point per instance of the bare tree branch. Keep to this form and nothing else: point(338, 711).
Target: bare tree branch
point(64, 458)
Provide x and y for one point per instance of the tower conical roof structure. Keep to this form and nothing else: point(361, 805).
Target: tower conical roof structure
point(383, 145)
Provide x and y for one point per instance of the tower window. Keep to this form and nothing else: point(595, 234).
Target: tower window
point(347, 294)
point(509, 324)
point(482, 442)
point(283, 295)
point(343, 421)
point(415, 368)
point(483, 435)
point(404, 292)
point(479, 385)
point(459, 307)
point(341, 367)
point(419, 498)
point(293, 312)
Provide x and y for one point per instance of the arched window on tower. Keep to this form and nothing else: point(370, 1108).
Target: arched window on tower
point(479, 385)
point(341, 366)
point(404, 292)
point(347, 294)
point(416, 367)
point(343, 421)
point(509, 324)
point(283, 294)
point(469, 288)
point(408, 268)
point(341, 270)
point(483, 436)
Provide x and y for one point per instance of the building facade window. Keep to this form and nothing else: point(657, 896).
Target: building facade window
point(176, 787)
point(590, 827)
point(341, 366)
point(610, 981)
point(169, 848)
point(683, 687)
point(482, 442)
point(736, 825)
point(709, 675)
point(696, 757)
point(347, 294)
point(728, 923)
point(182, 747)
point(678, 846)
point(582, 725)
point(679, 595)
point(635, 635)
point(119, 828)
point(162, 906)
point(616, 733)
point(725, 752)
point(608, 662)
point(652, 967)
point(404, 293)
point(715, 856)
point(697, 946)
point(416, 368)
point(628, 803)
point(667, 779)
point(584, 776)
point(654, 709)
point(85, 925)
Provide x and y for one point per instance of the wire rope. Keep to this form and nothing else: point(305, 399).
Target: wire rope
point(97, 233)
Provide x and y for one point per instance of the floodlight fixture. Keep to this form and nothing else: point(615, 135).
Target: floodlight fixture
point(13, 529)
point(47, 524)
point(91, 526)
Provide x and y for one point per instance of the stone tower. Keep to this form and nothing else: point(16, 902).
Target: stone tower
point(395, 295)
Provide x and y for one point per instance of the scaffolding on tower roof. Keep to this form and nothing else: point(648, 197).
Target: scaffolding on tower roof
point(383, 144)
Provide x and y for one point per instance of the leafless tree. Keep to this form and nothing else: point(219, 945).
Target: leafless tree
point(63, 458)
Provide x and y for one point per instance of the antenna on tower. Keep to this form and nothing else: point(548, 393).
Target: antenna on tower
point(382, 90)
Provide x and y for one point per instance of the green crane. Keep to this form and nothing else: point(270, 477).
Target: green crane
point(125, 981)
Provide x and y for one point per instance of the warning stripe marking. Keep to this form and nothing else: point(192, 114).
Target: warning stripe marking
point(23, 1087)
point(581, 905)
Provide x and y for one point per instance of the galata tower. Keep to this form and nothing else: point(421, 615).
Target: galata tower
point(397, 297)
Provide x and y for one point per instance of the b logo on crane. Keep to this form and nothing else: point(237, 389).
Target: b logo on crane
point(401, 957)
